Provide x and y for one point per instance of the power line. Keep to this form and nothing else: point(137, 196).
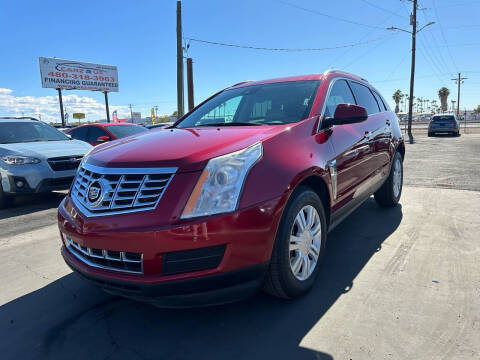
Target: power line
point(443, 34)
point(327, 15)
point(285, 49)
point(381, 8)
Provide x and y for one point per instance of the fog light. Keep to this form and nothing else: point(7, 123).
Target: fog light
point(19, 184)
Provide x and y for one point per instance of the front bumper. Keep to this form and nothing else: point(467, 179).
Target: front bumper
point(246, 235)
point(35, 178)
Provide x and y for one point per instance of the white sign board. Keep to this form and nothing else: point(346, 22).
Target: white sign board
point(67, 74)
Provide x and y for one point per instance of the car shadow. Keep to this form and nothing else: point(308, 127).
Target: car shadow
point(27, 204)
point(70, 318)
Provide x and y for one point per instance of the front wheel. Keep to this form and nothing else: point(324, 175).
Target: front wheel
point(5, 201)
point(299, 246)
point(389, 194)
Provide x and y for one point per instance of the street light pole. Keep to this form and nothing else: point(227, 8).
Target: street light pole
point(414, 32)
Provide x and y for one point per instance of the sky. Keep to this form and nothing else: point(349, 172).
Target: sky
point(139, 37)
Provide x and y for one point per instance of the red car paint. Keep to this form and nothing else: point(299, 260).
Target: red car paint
point(106, 135)
point(293, 154)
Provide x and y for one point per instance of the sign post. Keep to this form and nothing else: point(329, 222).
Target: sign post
point(60, 100)
point(74, 75)
point(106, 106)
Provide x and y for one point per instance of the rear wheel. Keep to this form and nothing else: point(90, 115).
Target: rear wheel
point(299, 246)
point(389, 194)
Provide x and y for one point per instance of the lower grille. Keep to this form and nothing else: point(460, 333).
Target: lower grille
point(65, 162)
point(192, 260)
point(129, 262)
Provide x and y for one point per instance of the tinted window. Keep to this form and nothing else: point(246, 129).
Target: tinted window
point(339, 93)
point(380, 101)
point(276, 103)
point(80, 133)
point(94, 132)
point(18, 132)
point(365, 98)
point(443, 118)
point(120, 131)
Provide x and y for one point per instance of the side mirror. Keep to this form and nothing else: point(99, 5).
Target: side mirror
point(102, 139)
point(346, 114)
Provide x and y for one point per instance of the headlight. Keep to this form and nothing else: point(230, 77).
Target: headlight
point(19, 160)
point(218, 188)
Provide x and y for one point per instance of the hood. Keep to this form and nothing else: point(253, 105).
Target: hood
point(46, 149)
point(186, 149)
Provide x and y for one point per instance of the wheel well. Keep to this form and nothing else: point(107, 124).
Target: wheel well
point(317, 184)
point(401, 150)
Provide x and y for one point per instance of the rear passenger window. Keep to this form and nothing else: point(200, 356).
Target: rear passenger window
point(340, 93)
point(380, 101)
point(79, 134)
point(365, 98)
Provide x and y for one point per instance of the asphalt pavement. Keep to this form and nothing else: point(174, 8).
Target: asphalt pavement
point(398, 283)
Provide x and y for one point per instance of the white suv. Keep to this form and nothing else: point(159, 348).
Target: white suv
point(35, 157)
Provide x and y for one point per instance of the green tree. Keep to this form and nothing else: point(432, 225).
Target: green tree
point(397, 96)
point(443, 93)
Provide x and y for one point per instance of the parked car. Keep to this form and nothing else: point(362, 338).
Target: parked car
point(158, 125)
point(446, 123)
point(35, 157)
point(98, 133)
point(239, 194)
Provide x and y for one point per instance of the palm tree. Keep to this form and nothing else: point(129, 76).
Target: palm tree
point(443, 93)
point(434, 105)
point(397, 96)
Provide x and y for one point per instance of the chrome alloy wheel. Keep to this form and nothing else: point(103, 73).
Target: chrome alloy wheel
point(397, 177)
point(305, 242)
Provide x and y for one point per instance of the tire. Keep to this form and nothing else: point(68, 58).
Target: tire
point(389, 194)
point(280, 280)
point(430, 134)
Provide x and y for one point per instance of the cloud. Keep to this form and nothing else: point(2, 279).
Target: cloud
point(48, 106)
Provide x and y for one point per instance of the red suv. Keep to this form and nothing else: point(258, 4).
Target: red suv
point(98, 133)
point(238, 194)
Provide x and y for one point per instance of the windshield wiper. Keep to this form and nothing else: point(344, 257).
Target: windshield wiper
point(231, 124)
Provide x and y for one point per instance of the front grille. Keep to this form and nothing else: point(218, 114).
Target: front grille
point(129, 262)
point(119, 190)
point(183, 261)
point(65, 162)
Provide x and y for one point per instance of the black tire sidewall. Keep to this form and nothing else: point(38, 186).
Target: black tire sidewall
point(290, 284)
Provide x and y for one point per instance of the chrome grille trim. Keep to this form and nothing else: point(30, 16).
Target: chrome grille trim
point(117, 263)
point(126, 189)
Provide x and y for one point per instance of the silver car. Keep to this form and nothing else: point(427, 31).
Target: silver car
point(35, 157)
point(445, 123)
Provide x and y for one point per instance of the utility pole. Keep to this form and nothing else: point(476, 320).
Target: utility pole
point(179, 61)
point(414, 32)
point(190, 84)
point(459, 81)
point(131, 112)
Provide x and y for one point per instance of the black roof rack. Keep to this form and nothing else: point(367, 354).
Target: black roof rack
point(19, 117)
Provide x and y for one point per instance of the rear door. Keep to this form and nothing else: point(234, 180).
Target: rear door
point(94, 132)
point(350, 145)
point(374, 129)
point(79, 133)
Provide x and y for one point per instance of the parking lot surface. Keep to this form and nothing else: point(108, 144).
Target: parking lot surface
point(400, 283)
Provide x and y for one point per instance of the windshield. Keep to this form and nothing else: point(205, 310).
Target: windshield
point(21, 132)
point(267, 104)
point(121, 131)
point(443, 118)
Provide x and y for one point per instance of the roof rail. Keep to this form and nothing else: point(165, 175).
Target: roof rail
point(19, 117)
point(329, 71)
point(241, 82)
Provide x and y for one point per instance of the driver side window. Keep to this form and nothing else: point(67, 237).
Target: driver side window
point(340, 93)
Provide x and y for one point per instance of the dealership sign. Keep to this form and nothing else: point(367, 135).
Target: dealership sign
point(67, 74)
